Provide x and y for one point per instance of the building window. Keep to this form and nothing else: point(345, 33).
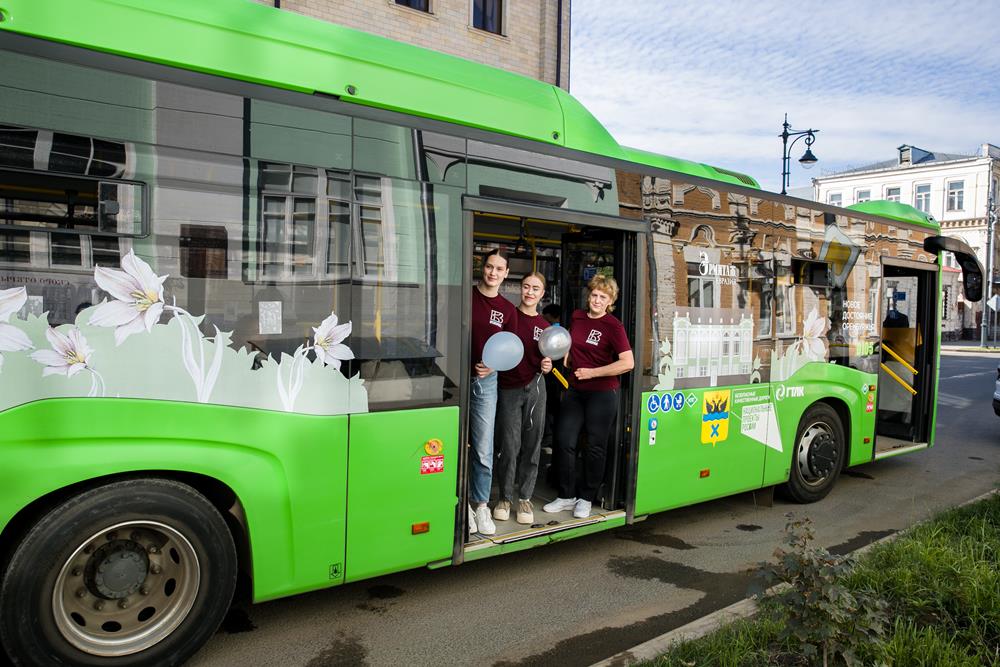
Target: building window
point(419, 5)
point(892, 194)
point(956, 196)
point(862, 196)
point(922, 198)
point(701, 289)
point(296, 200)
point(487, 14)
point(835, 199)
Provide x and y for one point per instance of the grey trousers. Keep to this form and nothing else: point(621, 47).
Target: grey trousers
point(520, 424)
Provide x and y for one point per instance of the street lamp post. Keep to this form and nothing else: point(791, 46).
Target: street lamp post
point(807, 160)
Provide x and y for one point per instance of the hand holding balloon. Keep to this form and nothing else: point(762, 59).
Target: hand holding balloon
point(503, 351)
point(554, 343)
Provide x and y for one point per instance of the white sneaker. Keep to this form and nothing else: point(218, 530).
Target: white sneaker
point(472, 521)
point(581, 510)
point(485, 521)
point(559, 505)
point(502, 511)
point(524, 513)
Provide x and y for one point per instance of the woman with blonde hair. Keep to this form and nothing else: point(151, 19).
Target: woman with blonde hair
point(599, 354)
point(521, 408)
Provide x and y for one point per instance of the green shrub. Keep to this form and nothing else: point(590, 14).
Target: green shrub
point(824, 619)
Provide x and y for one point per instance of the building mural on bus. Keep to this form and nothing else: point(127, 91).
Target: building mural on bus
point(800, 284)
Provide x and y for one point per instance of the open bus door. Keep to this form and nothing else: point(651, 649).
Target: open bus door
point(613, 252)
point(910, 344)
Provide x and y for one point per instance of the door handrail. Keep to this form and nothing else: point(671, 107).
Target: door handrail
point(898, 379)
point(898, 358)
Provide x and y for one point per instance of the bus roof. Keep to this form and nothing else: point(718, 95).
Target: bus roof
point(252, 42)
point(896, 211)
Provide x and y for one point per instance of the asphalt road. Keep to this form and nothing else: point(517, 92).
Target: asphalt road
point(581, 601)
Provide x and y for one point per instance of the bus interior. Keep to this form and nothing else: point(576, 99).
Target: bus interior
point(568, 255)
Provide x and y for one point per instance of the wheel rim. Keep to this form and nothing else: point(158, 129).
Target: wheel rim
point(818, 454)
point(126, 588)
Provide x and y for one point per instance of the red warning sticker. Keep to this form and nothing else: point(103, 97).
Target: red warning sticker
point(431, 464)
point(870, 407)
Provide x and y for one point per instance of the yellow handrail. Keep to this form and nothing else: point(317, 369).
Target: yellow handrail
point(898, 379)
point(898, 358)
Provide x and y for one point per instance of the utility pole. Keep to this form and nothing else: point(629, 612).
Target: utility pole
point(991, 219)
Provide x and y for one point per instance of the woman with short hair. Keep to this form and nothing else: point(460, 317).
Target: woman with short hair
point(600, 353)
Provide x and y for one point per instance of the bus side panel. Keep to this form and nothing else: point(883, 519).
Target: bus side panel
point(699, 444)
point(814, 382)
point(289, 471)
point(402, 473)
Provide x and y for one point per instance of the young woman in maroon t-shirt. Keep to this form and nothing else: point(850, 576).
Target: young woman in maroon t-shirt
point(491, 313)
point(599, 354)
point(521, 409)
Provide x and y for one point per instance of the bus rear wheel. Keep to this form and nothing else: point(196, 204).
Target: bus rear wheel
point(137, 572)
point(818, 456)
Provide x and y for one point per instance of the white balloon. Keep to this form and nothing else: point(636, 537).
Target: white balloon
point(554, 342)
point(503, 351)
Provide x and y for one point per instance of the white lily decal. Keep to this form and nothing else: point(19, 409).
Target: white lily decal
point(328, 348)
point(138, 298)
point(69, 355)
point(12, 339)
point(812, 344)
point(327, 341)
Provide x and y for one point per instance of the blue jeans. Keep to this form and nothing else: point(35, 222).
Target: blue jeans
point(482, 416)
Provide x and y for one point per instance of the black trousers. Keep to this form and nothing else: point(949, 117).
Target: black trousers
point(595, 411)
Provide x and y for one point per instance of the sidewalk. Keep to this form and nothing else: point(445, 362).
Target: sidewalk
point(970, 346)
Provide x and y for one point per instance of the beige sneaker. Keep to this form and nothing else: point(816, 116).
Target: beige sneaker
point(502, 511)
point(524, 513)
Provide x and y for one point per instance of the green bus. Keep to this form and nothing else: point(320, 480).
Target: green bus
point(236, 263)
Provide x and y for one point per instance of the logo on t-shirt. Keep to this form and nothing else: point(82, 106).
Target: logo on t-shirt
point(538, 332)
point(496, 318)
point(594, 337)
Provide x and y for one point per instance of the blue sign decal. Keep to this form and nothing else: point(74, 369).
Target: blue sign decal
point(666, 403)
point(653, 403)
point(678, 401)
point(653, 423)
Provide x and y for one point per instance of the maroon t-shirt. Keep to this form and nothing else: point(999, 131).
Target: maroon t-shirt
point(596, 343)
point(529, 328)
point(489, 315)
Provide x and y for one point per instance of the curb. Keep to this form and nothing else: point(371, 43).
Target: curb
point(655, 647)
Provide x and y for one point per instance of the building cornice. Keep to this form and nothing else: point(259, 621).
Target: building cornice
point(972, 160)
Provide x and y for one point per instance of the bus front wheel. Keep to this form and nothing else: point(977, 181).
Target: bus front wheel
point(818, 456)
point(136, 572)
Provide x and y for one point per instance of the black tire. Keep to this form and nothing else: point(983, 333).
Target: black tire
point(147, 563)
point(818, 456)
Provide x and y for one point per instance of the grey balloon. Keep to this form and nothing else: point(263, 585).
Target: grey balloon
point(503, 351)
point(554, 342)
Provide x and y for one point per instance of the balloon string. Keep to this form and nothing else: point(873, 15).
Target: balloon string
point(532, 406)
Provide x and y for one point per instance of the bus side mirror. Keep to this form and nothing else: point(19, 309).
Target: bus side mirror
point(973, 284)
point(972, 270)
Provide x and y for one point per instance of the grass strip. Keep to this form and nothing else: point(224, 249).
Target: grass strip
point(941, 580)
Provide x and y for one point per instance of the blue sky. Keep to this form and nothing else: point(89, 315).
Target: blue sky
point(711, 80)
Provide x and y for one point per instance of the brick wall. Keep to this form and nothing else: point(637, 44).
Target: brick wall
point(528, 45)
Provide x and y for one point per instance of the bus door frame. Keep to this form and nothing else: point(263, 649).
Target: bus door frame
point(637, 229)
point(928, 288)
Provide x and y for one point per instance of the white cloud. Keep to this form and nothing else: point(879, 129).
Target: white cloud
point(711, 81)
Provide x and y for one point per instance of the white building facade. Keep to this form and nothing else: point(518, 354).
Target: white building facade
point(957, 190)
